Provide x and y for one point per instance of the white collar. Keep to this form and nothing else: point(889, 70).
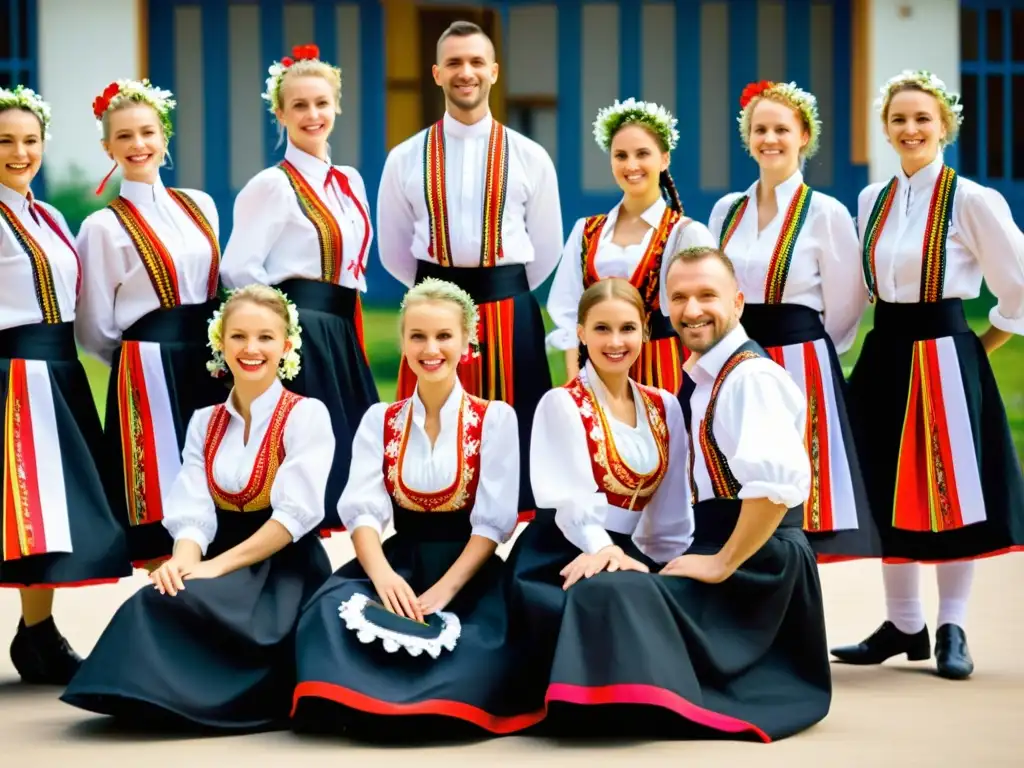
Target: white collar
point(313, 168)
point(140, 193)
point(454, 129)
point(710, 363)
point(262, 407)
point(783, 192)
point(448, 410)
point(924, 179)
point(651, 217)
point(18, 203)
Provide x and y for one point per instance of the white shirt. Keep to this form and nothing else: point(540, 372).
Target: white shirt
point(116, 289)
point(272, 239)
point(825, 271)
point(562, 476)
point(612, 260)
point(366, 501)
point(982, 241)
point(759, 425)
point(297, 494)
point(18, 302)
point(531, 228)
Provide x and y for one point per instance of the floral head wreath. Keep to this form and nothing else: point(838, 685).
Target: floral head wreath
point(646, 113)
point(801, 100)
point(928, 83)
point(141, 91)
point(25, 98)
point(277, 70)
point(289, 367)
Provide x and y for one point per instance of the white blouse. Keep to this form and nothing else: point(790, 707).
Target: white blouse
point(272, 239)
point(366, 502)
point(612, 260)
point(982, 241)
point(18, 302)
point(825, 270)
point(297, 494)
point(758, 425)
point(531, 227)
point(116, 289)
point(562, 476)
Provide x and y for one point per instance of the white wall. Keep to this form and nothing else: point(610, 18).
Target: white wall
point(83, 46)
point(909, 34)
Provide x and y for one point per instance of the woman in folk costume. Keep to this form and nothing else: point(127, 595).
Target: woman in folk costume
point(797, 261)
point(58, 529)
point(473, 202)
point(608, 464)
point(151, 264)
point(940, 466)
point(303, 226)
point(210, 642)
point(631, 240)
point(416, 627)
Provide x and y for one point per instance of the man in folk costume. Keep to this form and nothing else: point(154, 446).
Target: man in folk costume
point(473, 202)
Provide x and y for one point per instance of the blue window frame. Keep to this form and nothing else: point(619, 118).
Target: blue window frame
point(992, 86)
point(18, 52)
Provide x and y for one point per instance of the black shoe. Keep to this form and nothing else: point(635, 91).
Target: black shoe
point(952, 656)
point(42, 656)
point(886, 642)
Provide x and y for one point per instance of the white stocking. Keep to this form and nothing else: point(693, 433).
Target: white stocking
point(954, 591)
point(903, 596)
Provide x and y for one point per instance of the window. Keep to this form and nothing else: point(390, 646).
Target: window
point(15, 50)
point(992, 86)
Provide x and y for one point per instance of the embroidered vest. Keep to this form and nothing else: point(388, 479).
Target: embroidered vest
point(723, 483)
point(461, 494)
point(646, 277)
point(625, 487)
point(256, 494)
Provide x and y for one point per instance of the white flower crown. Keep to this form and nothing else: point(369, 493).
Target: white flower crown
point(25, 98)
point(290, 364)
point(647, 113)
point(142, 91)
point(277, 71)
point(927, 82)
point(801, 100)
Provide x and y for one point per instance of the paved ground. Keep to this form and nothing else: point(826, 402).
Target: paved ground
point(896, 715)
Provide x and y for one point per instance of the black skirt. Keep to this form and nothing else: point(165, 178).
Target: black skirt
point(220, 654)
point(334, 370)
point(182, 335)
point(531, 377)
point(99, 550)
point(668, 657)
point(780, 325)
point(968, 421)
point(346, 686)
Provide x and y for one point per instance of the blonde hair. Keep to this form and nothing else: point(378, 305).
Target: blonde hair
point(309, 68)
point(260, 295)
point(950, 119)
point(434, 290)
point(608, 289)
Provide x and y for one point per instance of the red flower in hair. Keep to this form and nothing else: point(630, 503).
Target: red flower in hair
point(101, 102)
point(306, 51)
point(287, 61)
point(753, 90)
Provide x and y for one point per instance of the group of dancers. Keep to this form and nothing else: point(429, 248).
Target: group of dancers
point(703, 456)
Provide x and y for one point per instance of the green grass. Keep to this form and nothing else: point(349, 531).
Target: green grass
point(381, 330)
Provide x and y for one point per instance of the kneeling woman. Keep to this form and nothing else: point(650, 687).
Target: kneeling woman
point(210, 643)
point(443, 466)
point(609, 456)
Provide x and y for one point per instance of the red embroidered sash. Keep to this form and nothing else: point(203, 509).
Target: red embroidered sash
point(256, 494)
point(782, 256)
point(155, 257)
point(933, 252)
point(625, 487)
point(23, 527)
point(461, 494)
point(495, 193)
point(723, 483)
point(42, 274)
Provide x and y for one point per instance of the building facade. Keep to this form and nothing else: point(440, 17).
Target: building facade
point(560, 62)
